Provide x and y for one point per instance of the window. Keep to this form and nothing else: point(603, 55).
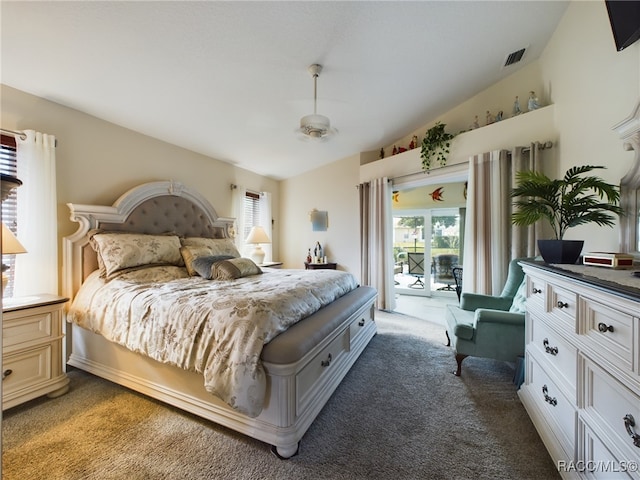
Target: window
point(9, 166)
point(251, 212)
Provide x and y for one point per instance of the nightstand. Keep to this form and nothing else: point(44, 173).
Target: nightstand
point(32, 349)
point(320, 266)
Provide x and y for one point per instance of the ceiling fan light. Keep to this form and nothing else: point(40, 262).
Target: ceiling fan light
point(314, 126)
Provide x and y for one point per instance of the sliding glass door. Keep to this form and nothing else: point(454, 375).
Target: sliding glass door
point(410, 252)
point(446, 243)
point(426, 247)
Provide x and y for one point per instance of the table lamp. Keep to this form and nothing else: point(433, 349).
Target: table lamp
point(10, 245)
point(256, 236)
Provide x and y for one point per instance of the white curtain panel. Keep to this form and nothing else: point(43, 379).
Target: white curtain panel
point(266, 223)
point(376, 240)
point(37, 270)
point(238, 192)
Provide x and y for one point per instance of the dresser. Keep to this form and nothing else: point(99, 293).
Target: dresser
point(32, 349)
point(582, 368)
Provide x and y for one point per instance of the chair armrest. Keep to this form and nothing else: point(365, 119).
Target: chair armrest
point(487, 316)
point(473, 301)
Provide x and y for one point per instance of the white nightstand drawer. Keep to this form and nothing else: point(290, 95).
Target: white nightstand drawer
point(25, 369)
point(17, 330)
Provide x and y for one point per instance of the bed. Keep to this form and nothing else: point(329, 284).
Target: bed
point(296, 363)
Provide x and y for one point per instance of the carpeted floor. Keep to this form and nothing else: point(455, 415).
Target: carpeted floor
point(399, 414)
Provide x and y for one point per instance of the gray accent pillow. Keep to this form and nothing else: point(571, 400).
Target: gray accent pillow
point(234, 268)
point(203, 265)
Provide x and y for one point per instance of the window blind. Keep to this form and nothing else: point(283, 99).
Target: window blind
point(9, 166)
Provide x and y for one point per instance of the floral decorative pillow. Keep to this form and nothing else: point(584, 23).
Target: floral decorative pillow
point(120, 251)
point(217, 246)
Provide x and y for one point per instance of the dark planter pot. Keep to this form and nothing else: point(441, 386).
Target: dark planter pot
point(560, 251)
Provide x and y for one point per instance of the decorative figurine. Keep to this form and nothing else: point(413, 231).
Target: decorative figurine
point(309, 259)
point(516, 107)
point(414, 142)
point(489, 118)
point(395, 150)
point(381, 153)
point(533, 101)
point(499, 116)
point(475, 123)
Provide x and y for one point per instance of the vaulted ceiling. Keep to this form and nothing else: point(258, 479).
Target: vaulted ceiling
point(229, 79)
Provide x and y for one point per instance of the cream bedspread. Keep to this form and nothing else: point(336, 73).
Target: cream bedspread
point(216, 328)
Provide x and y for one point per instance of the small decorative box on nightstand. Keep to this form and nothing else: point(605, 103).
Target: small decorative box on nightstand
point(32, 349)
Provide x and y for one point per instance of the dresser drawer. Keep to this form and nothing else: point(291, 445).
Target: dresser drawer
point(608, 333)
point(558, 411)
point(26, 369)
point(556, 351)
point(19, 331)
point(536, 288)
point(329, 358)
point(562, 304)
point(606, 403)
point(597, 461)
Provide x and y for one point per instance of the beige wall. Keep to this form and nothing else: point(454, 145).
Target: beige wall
point(97, 160)
point(331, 188)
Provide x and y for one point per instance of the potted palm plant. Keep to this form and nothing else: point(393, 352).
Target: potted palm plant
point(576, 199)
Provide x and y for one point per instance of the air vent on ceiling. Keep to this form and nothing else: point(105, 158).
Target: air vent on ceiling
point(514, 57)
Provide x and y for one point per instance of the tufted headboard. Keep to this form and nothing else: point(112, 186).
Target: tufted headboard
point(153, 208)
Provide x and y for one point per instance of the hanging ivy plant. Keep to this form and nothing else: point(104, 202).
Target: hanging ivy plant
point(435, 146)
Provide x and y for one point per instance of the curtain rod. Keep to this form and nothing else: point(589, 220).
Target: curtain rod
point(22, 135)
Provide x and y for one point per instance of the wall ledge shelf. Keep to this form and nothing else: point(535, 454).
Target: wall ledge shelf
point(538, 125)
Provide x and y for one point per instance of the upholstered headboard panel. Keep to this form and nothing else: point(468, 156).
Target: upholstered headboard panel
point(168, 214)
point(152, 208)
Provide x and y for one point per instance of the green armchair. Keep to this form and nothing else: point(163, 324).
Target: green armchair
point(488, 326)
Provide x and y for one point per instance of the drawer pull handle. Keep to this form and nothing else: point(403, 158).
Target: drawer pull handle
point(562, 304)
point(536, 290)
point(603, 327)
point(629, 422)
point(550, 400)
point(548, 349)
point(361, 322)
point(327, 362)
point(6, 373)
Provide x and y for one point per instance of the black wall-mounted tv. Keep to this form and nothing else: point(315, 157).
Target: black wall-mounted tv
point(624, 16)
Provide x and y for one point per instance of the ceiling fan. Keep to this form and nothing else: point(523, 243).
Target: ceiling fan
point(315, 127)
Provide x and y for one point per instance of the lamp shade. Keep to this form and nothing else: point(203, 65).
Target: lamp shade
point(10, 243)
point(257, 235)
